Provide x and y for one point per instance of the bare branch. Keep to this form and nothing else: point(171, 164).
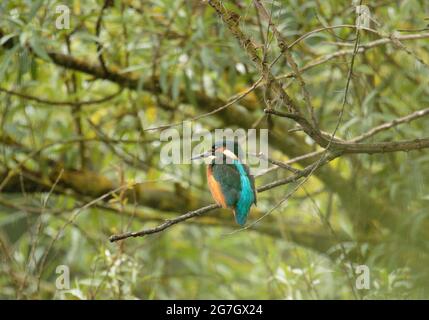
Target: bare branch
point(302, 173)
point(60, 103)
point(388, 125)
point(352, 146)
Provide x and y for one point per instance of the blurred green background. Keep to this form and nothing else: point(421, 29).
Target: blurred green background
point(76, 104)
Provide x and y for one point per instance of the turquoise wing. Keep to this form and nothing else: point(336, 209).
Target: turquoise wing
point(252, 181)
point(247, 193)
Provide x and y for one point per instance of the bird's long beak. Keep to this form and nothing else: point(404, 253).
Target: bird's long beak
point(202, 155)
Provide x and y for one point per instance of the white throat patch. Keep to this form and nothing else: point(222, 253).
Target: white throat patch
point(229, 154)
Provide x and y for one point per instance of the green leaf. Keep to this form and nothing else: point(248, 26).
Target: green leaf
point(34, 9)
point(163, 77)
point(33, 67)
point(5, 38)
point(175, 89)
point(24, 64)
point(38, 49)
point(6, 61)
point(188, 89)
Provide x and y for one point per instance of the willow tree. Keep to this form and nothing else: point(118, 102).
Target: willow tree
point(86, 88)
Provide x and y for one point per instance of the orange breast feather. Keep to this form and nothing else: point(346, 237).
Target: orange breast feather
point(215, 189)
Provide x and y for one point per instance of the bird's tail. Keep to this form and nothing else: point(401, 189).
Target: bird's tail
point(240, 214)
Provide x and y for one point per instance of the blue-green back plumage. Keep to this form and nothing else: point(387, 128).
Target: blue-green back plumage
point(238, 187)
point(247, 194)
point(229, 179)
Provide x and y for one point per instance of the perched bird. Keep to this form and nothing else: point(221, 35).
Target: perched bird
point(230, 182)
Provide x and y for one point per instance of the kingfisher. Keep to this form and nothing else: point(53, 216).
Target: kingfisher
point(229, 179)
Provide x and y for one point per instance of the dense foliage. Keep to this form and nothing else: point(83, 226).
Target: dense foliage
point(79, 161)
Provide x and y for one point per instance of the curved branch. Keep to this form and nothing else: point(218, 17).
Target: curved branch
point(168, 223)
point(388, 125)
point(60, 103)
point(352, 146)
